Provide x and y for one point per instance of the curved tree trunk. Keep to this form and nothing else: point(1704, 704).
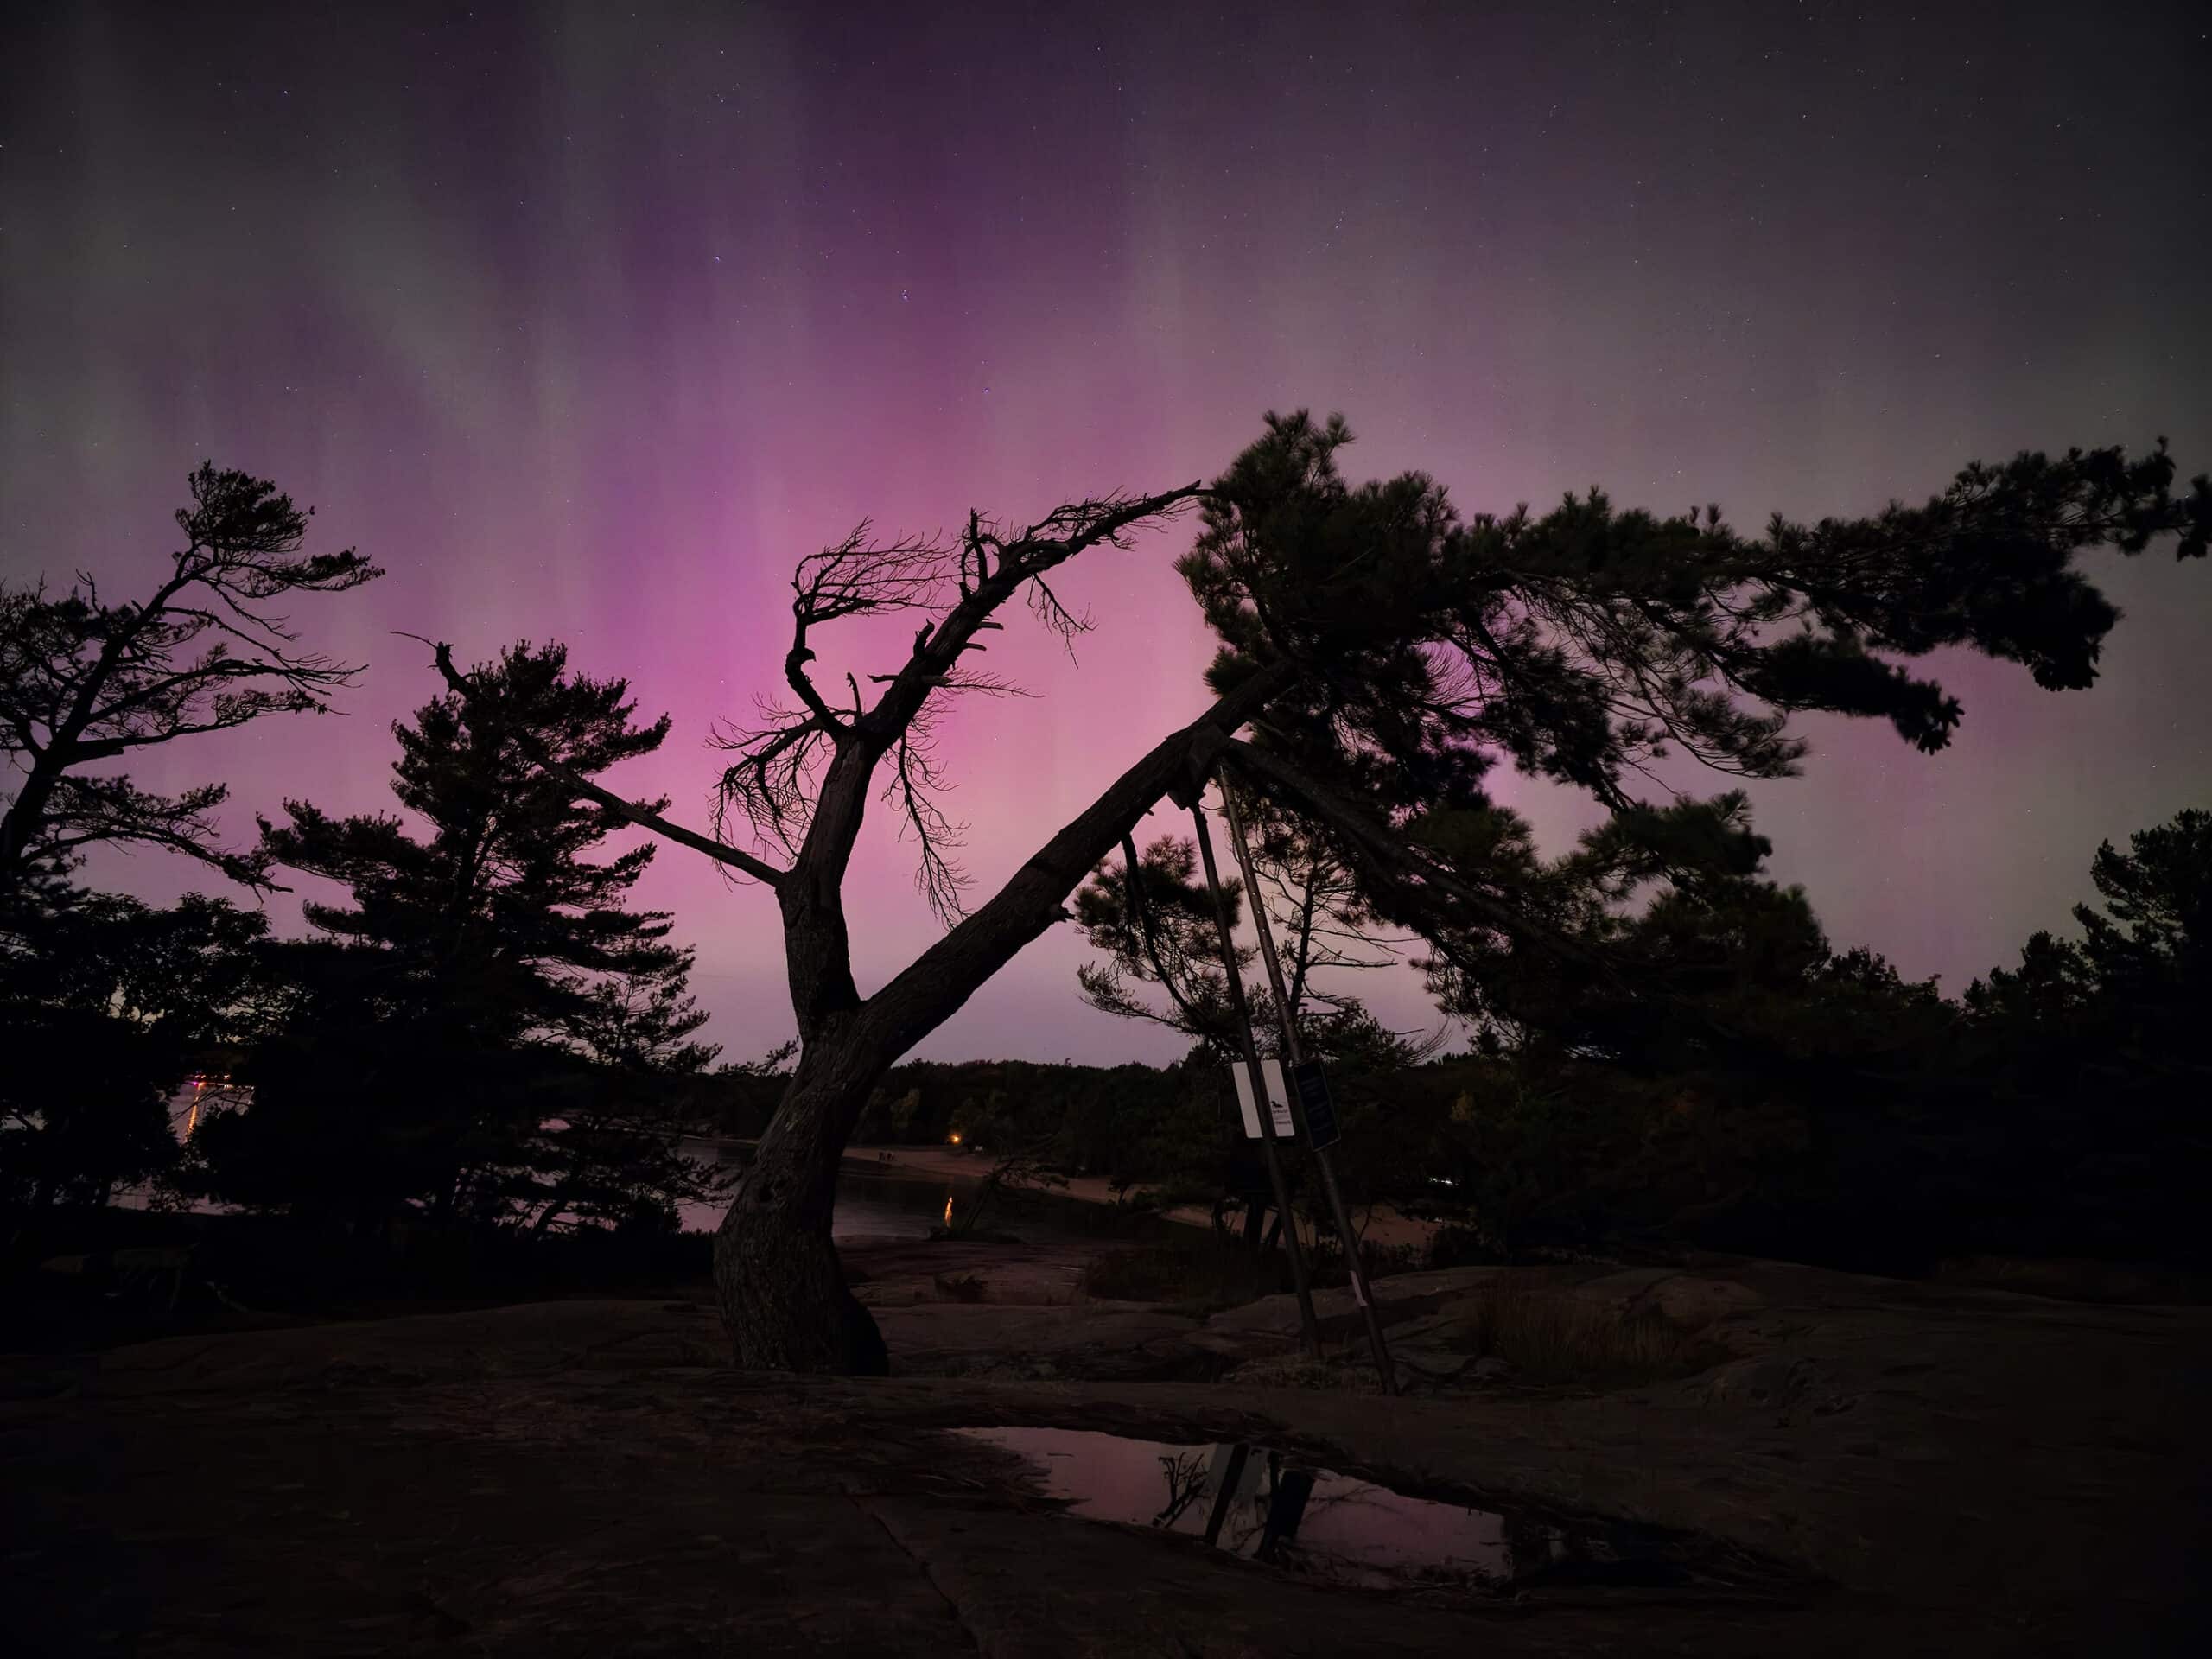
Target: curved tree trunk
point(783, 1295)
point(784, 1300)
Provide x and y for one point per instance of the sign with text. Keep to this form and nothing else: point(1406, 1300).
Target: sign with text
point(1314, 1099)
point(1248, 1098)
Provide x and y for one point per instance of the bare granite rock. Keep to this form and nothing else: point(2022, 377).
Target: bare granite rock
point(1871, 1466)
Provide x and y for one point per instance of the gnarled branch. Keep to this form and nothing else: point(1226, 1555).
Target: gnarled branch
point(744, 862)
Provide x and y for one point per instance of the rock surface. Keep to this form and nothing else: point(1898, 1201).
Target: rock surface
point(1897, 1468)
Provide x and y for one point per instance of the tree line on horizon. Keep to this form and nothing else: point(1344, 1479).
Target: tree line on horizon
point(1860, 1119)
point(1665, 1043)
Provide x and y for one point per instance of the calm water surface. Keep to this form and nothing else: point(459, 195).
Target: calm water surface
point(904, 1205)
point(1267, 1505)
point(907, 1204)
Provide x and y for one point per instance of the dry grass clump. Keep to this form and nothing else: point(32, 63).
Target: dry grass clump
point(1352, 1372)
point(1548, 1334)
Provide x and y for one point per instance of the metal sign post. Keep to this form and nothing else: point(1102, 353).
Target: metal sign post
point(1298, 1066)
point(1309, 1326)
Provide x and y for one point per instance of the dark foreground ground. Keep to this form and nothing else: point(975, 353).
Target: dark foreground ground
point(1868, 1465)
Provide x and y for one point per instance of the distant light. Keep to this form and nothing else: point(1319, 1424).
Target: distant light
point(956, 1140)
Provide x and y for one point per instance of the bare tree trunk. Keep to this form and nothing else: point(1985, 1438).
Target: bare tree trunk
point(784, 1302)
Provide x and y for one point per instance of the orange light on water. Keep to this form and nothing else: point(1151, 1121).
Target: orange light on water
point(202, 1083)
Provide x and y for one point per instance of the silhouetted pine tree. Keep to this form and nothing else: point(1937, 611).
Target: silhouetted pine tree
point(84, 681)
point(2092, 1057)
point(460, 989)
point(611, 1155)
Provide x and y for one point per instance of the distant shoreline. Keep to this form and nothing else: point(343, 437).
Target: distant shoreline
point(1385, 1227)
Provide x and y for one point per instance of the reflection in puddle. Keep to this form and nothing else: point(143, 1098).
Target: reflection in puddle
point(1258, 1504)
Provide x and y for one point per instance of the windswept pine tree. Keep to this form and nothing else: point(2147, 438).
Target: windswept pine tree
point(86, 683)
point(1386, 652)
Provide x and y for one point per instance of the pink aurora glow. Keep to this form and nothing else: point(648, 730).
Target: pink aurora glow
point(587, 328)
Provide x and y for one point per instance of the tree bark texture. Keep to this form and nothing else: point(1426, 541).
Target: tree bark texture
point(784, 1302)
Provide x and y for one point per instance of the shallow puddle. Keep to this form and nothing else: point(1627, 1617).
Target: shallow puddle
point(1256, 1503)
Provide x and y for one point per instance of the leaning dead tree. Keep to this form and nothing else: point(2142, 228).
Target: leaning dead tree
point(801, 782)
point(1385, 653)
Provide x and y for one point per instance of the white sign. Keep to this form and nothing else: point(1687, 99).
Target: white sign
point(1250, 1113)
point(1247, 1098)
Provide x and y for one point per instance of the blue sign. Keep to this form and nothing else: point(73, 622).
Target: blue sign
point(1313, 1103)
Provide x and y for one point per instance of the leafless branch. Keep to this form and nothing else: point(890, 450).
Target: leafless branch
point(860, 578)
point(772, 785)
point(733, 858)
point(1055, 616)
point(916, 780)
point(792, 761)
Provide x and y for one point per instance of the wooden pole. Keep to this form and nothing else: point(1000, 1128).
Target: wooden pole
point(1292, 1057)
point(1309, 1326)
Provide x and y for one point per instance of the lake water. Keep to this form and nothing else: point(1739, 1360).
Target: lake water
point(881, 1204)
point(908, 1204)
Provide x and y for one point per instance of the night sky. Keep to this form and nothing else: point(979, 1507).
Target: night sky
point(586, 323)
